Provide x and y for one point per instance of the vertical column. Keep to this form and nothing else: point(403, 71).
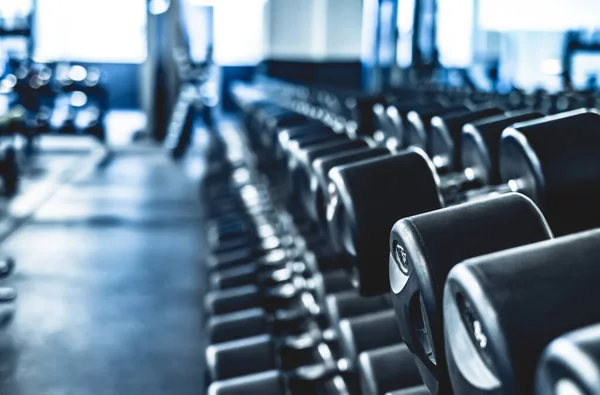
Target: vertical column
point(370, 45)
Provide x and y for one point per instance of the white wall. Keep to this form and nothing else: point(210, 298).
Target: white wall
point(313, 29)
point(344, 29)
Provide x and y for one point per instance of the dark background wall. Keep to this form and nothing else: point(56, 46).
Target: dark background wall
point(346, 74)
point(122, 82)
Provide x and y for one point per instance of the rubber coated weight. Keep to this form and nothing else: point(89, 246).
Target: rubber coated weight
point(236, 325)
point(556, 160)
point(367, 332)
point(301, 174)
point(481, 141)
point(501, 310)
point(271, 382)
point(368, 198)
point(320, 177)
point(351, 304)
point(233, 299)
point(241, 357)
point(419, 123)
point(571, 364)
point(424, 248)
point(444, 143)
point(287, 136)
point(388, 368)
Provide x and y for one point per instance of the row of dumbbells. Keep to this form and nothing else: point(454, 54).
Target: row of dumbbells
point(511, 230)
point(280, 319)
point(543, 148)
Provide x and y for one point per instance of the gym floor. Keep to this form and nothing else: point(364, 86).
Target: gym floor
point(109, 285)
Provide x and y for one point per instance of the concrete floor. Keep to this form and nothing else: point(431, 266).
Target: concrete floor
point(110, 287)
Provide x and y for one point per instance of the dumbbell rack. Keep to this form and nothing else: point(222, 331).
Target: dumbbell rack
point(319, 363)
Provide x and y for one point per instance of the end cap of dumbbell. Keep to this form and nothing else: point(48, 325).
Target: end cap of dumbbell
point(369, 331)
point(240, 357)
point(571, 364)
point(418, 390)
point(237, 325)
point(271, 382)
point(7, 266)
point(387, 368)
point(232, 299)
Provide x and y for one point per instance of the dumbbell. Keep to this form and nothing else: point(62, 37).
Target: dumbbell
point(386, 369)
point(264, 352)
point(366, 198)
point(285, 119)
point(570, 364)
point(255, 321)
point(244, 226)
point(252, 355)
point(278, 143)
point(240, 258)
point(276, 289)
point(423, 250)
point(395, 116)
point(417, 270)
point(301, 161)
point(501, 310)
point(315, 201)
point(400, 372)
point(317, 182)
point(327, 377)
point(418, 122)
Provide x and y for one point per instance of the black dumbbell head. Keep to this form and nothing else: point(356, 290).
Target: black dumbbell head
point(571, 364)
point(232, 299)
point(284, 137)
point(271, 382)
point(501, 310)
point(481, 141)
point(351, 304)
point(241, 357)
point(446, 132)
point(367, 332)
point(302, 173)
point(236, 325)
point(388, 368)
point(425, 247)
point(555, 161)
point(418, 123)
point(405, 136)
point(234, 277)
point(368, 198)
point(320, 174)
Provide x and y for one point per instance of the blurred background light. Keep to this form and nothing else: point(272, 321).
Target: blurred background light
point(455, 28)
point(103, 35)
point(538, 15)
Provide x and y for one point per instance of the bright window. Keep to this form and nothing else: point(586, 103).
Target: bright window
point(107, 31)
point(455, 26)
point(406, 14)
point(15, 8)
point(238, 32)
point(538, 15)
point(238, 27)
